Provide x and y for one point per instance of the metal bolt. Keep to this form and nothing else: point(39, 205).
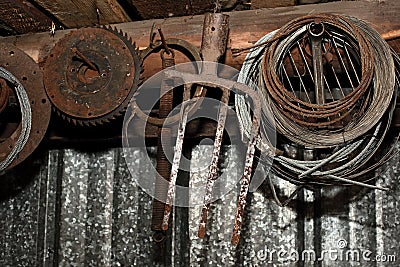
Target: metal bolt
point(85, 59)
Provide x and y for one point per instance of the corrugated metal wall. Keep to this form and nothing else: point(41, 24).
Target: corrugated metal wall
point(76, 208)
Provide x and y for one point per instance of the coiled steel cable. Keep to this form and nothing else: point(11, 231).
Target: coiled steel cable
point(352, 156)
point(375, 56)
point(248, 75)
point(26, 118)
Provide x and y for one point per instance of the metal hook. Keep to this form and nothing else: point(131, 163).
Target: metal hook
point(152, 35)
point(164, 42)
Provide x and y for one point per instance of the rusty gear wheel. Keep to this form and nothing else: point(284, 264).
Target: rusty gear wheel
point(30, 76)
point(91, 75)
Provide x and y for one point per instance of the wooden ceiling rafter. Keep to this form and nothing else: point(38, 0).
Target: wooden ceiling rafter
point(81, 13)
point(20, 16)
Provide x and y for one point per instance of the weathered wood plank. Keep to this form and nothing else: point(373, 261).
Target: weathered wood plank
point(246, 27)
point(148, 9)
point(20, 17)
point(85, 13)
point(256, 4)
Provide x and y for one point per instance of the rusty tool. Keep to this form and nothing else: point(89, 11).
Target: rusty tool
point(215, 33)
point(245, 181)
point(163, 121)
point(186, 105)
point(316, 30)
point(209, 78)
point(213, 46)
point(205, 79)
point(91, 75)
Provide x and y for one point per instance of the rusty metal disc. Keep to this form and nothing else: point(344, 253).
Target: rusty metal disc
point(31, 77)
point(4, 94)
point(91, 74)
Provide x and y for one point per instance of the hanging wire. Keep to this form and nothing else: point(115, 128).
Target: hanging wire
point(360, 145)
point(26, 118)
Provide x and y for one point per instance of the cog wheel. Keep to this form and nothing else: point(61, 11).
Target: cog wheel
point(30, 76)
point(91, 74)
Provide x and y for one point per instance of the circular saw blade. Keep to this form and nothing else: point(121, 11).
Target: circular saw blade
point(91, 75)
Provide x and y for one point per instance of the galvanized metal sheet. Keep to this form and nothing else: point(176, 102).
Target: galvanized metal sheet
point(76, 208)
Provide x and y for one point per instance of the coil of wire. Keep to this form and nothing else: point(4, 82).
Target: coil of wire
point(26, 118)
point(348, 134)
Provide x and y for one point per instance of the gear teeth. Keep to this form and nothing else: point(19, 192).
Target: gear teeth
point(73, 121)
point(138, 64)
point(138, 80)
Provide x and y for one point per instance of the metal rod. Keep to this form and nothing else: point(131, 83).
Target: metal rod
point(342, 62)
point(246, 177)
point(164, 42)
point(298, 74)
point(334, 74)
point(177, 157)
point(316, 30)
point(309, 70)
point(351, 61)
point(213, 46)
point(85, 59)
point(212, 174)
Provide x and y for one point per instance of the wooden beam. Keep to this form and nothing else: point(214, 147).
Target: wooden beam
point(256, 4)
point(246, 27)
point(81, 13)
point(22, 17)
point(148, 9)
